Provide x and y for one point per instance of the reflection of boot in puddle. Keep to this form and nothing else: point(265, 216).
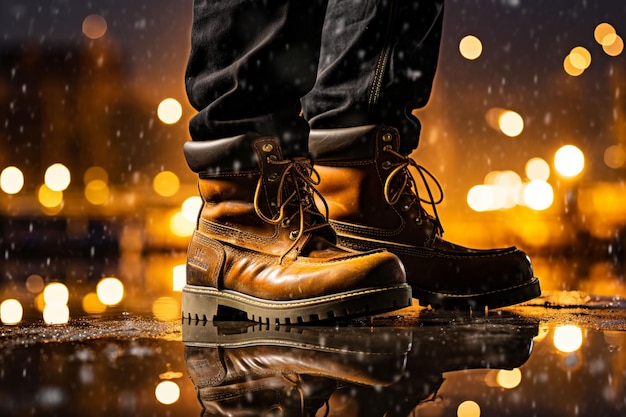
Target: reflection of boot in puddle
point(241, 369)
point(435, 351)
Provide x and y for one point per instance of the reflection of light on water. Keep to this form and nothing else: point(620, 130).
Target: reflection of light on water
point(56, 314)
point(110, 291)
point(468, 409)
point(167, 392)
point(11, 311)
point(509, 378)
point(56, 293)
point(179, 277)
point(568, 338)
point(11, 180)
point(166, 309)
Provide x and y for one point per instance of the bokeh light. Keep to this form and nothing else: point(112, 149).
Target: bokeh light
point(580, 58)
point(568, 338)
point(11, 180)
point(537, 169)
point(169, 111)
point(468, 409)
point(57, 177)
point(94, 26)
point(604, 34)
point(538, 195)
point(92, 305)
point(34, 284)
point(191, 207)
point(181, 226)
point(56, 294)
point(569, 67)
point(615, 48)
point(509, 379)
point(480, 198)
point(97, 192)
point(110, 291)
point(615, 156)
point(56, 314)
point(49, 198)
point(179, 277)
point(569, 161)
point(511, 123)
point(166, 183)
point(95, 173)
point(470, 47)
point(11, 311)
point(167, 392)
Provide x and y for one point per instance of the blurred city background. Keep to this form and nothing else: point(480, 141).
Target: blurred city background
point(526, 131)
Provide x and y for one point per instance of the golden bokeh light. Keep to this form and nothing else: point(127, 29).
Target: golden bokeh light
point(615, 156)
point(169, 111)
point(569, 161)
point(110, 291)
point(615, 48)
point(537, 169)
point(181, 226)
point(166, 183)
point(57, 177)
point(468, 409)
point(34, 284)
point(97, 192)
point(95, 173)
point(470, 47)
point(580, 58)
point(94, 26)
point(166, 309)
point(11, 311)
point(568, 338)
point(511, 123)
point(11, 180)
point(569, 67)
point(509, 379)
point(56, 314)
point(179, 277)
point(538, 195)
point(604, 33)
point(92, 305)
point(49, 198)
point(167, 392)
point(480, 198)
point(56, 294)
point(191, 207)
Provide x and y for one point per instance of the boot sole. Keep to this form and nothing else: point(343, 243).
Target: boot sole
point(209, 304)
point(494, 299)
point(344, 339)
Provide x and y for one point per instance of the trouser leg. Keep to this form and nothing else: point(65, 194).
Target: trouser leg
point(377, 64)
point(250, 62)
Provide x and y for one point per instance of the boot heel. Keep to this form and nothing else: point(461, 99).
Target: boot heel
point(207, 307)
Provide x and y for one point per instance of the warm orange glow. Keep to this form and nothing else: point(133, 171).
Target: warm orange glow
point(49, 198)
point(34, 284)
point(181, 226)
point(615, 48)
point(56, 314)
point(480, 198)
point(166, 309)
point(169, 111)
point(511, 123)
point(11, 311)
point(538, 195)
point(190, 208)
point(569, 161)
point(179, 277)
point(167, 392)
point(537, 169)
point(95, 173)
point(110, 291)
point(569, 67)
point(604, 34)
point(166, 183)
point(94, 26)
point(470, 47)
point(468, 409)
point(568, 338)
point(11, 180)
point(509, 379)
point(97, 192)
point(57, 177)
point(56, 293)
point(92, 304)
point(580, 58)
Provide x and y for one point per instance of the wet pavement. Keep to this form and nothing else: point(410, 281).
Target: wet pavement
point(561, 354)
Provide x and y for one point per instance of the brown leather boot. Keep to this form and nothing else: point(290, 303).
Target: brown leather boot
point(374, 203)
point(263, 250)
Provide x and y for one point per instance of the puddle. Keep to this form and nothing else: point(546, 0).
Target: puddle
point(476, 368)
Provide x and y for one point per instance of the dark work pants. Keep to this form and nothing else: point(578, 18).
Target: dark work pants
point(258, 66)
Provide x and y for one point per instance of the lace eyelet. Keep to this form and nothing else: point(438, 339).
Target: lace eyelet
point(285, 222)
point(406, 207)
point(418, 220)
point(387, 137)
point(268, 147)
point(293, 235)
point(272, 176)
point(386, 165)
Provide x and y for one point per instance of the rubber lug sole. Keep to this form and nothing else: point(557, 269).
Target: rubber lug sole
point(209, 304)
point(494, 299)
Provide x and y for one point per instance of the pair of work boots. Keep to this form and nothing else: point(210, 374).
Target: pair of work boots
point(262, 249)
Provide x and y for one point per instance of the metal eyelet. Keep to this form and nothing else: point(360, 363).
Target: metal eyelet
point(387, 137)
point(285, 222)
point(418, 220)
point(268, 147)
point(386, 165)
point(293, 235)
point(273, 176)
point(406, 207)
point(387, 148)
point(272, 158)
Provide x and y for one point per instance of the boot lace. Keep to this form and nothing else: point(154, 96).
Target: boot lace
point(295, 198)
point(402, 174)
